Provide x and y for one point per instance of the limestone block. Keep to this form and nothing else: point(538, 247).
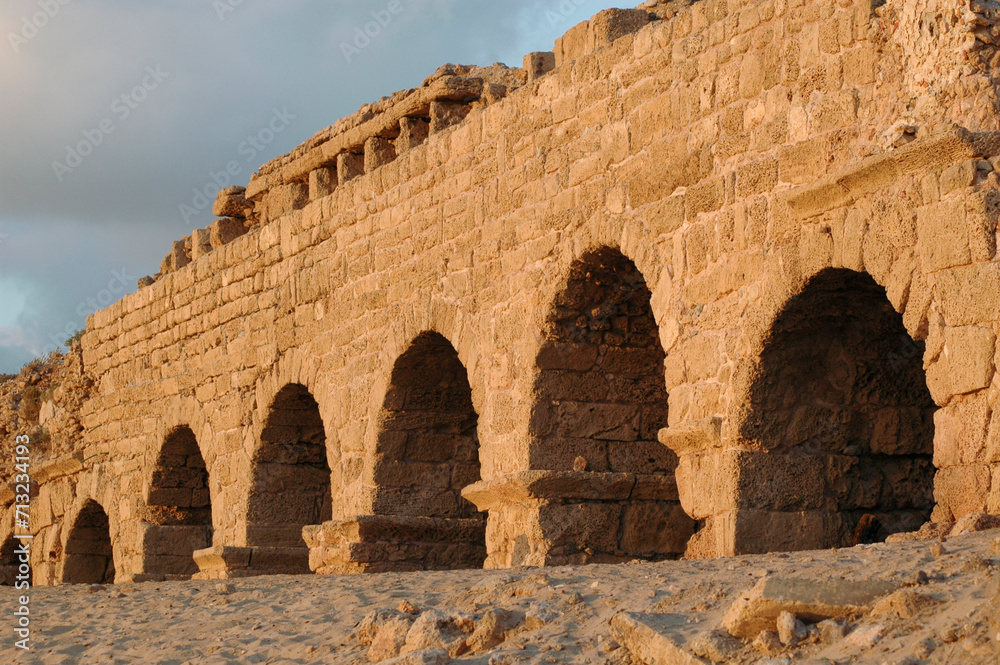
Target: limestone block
point(657, 639)
point(539, 63)
point(573, 43)
point(812, 600)
point(412, 132)
point(958, 176)
point(232, 202)
point(611, 24)
point(969, 294)
point(322, 182)
point(180, 256)
point(760, 531)
point(943, 235)
point(961, 490)
point(378, 152)
point(349, 166)
point(756, 177)
point(200, 243)
point(655, 528)
point(965, 365)
point(445, 114)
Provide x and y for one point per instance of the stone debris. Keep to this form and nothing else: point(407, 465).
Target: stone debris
point(716, 646)
point(434, 628)
point(390, 638)
point(539, 614)
point(656, 639)
point(903, 604)
point(811, 600)
point(494, 627)
point(791, 631)
point(865, 637)
point(974, 522)
point(767, 642)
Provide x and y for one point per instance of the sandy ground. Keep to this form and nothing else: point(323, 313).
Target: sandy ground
point(313, 619)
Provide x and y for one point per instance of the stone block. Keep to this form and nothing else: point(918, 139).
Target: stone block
point(657, 639)
point(611, 24)
point(445, 114)
point(961, 490)
point(412, 132)
point(232, 202)
point(572, 45)
point(539, 63)
point(378, 152)
point(349, 166)
point(322, 182)
point(943, 235)
point(969, 295)
point(201, 243)
point(811, 600)
point(655, 529)
point(757, 177)
point(225, 230)
point(965, 364)
point(281, 200)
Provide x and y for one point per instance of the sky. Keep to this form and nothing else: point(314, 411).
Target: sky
point(113, 113)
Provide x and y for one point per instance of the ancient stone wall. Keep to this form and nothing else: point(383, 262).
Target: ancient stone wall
point(735, 228)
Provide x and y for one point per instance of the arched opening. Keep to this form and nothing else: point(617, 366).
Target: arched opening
point(291, 475)
point(179, 507)
point(427, 451)
point(600, 400)
point(841, 391)
point(88, 557)
point(8, 562)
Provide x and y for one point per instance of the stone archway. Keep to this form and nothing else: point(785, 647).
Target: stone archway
point(601, 487)
point(291, 482)
point(426, 452)
point(88, 557)
point(178, 520)
point(840, 405)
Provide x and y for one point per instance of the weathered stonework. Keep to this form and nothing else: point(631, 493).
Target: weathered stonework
point(779, 218)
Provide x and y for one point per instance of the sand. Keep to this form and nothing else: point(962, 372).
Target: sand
point(313, 619)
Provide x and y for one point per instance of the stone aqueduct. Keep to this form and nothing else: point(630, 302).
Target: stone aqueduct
point(446, 331)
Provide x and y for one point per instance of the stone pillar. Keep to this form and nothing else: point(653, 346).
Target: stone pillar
point(322, 182)
point(552, 518)
point(412, 132)
point(349, 167)
point(378, 151)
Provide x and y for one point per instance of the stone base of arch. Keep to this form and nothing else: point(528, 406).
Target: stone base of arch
point(395, 543)
point(224, 562)
point(553, 518)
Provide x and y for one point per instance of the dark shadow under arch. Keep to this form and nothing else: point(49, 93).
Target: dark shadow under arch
point(8, 562)
point(178, 507)
point(841, 392)
point(291, 475)
point(427, 450)
point(600, 400)
point(88, 557)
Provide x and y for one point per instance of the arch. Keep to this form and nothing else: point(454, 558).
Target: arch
point(599, 401)
point(178, 507)
point(291, 476)
point(88, 557)
point(427, 451)
point(839, 402)
point(8, 562)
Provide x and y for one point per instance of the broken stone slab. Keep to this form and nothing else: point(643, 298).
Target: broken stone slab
point(232, 202)
point(692, 436)
point(808, 599)
point(527, 487)
point(975, 522)
point(929, 531)
point(657, 639)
